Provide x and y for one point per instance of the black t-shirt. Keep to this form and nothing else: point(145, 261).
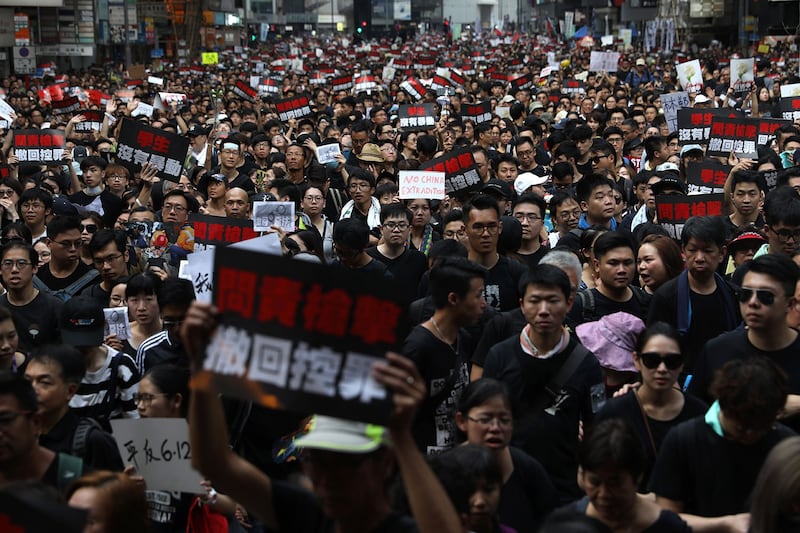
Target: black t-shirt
point(54, 284)
point(98, 294)
point(627, 408)
point(498, 329)
point(106, 204)
point(605, 306)
point(407, 269)
point(708, 317)
point(731, 228)
point(101, 451)
point(299, 511)
point(532, 260)
point(241, 180)
point(37, 321)
point(501, 289)
point(528, 496)
point(551, 435)
point(711, 475)
point(445, 370)
point(168, 512)
point(667, 521)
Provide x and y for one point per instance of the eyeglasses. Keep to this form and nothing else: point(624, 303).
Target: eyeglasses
point(117, 300)
point(391, 226)
point(764, 296)
point(174, 207)
point(88, 228)
point(146, 398)
point(32, 206)
point(7, 418)
point(363, 186)
point(313, 198)
point(524, 153)
point(116, 177)
point(8, 264)
point(653, 360)
point(100, 261)
point(786, 234)
point(502, 420)
point(449, 234)
point(70, 244)
point(492, 228)
point(6, 193)
point(530, 217)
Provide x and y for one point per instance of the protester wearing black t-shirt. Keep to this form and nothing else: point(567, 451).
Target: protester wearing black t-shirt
point(529, 209)
point(95, 196)
point(405, 264)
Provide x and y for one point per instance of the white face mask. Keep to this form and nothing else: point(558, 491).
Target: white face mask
point(94, 191)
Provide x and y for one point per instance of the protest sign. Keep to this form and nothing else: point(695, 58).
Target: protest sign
point(421, 184)
point(93, 122)
point(742, 76)
point(139, 143)
point(268, 214)
point(364, 84)
point(245, 91)
point(155, 80)
point(66, 105)
point(416, 117)
point(296, 107)
point(694, 125)
point(160, 450)
point(790, 108)
point(142, 109)
point(766, 130)
point(440, 84)
point(39, 146)
point(117, 322)
point(737, 135)
point(604, 61)
point(198, 270)
point(573, 87)
point(477, 113)
point(301, 336)
point(414, 88)
point(269, 86)
point(789, 90)
point(461, 174)
point(6, 111)
point(211, 230)
point(210, 58)
point(328, 152)
point(342, 83)
point(691, 76)
point(164, 100)
point(673, 211)
point(671, 103)
point(707, 176)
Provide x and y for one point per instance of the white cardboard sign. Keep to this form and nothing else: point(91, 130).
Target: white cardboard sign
point(421, 184)
point(267, 214)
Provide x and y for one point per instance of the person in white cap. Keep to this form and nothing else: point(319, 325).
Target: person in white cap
point(349, 463)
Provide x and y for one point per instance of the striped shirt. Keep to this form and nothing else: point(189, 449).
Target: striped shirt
point(160, 349)
point(108, 392)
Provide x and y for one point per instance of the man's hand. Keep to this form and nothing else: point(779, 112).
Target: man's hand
point(198, 327)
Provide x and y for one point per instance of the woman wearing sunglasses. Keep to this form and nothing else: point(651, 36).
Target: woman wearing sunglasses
point(658, 404)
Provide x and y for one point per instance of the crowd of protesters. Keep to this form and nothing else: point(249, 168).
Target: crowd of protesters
point(571, 364)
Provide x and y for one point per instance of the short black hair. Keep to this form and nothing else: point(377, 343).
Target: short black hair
point(62, 224)
point(546, 276)
point(609, 241)
point(21, 245)
point(145, 283)
point(748, 176)
point(395, 209)
point(72, 365)
point(16, 385)
point(751, 391)
point(175, 291)
point(104, 237)
point(531, 198)
point(480, 202)
point(778, 267)
point(36, 193)
point(585, 187)
point(782, 205)
point(612, 444)
point(351, 232)
point(453, 275)
point(709, 229)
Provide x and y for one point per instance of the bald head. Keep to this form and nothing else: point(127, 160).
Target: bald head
point(237, 203)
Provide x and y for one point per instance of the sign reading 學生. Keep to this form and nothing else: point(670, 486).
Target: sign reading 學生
point(139, 144)
point(416, 184)
point(301, 336)
point(416, 117)
point(694, 124)
point(790, 107)
point(707, 176)
point(160, 451)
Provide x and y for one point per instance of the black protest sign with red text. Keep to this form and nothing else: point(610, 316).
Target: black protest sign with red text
point(707, 176)
point(416, 117)
point(219, 231)
point(296, 107)
point(139, 144)
point(672, 211)
point(461, 174)
point(39, 146)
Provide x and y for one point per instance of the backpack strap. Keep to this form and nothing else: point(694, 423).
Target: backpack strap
point(587, 305)
point(81, 436)
point(70, 468)
point(565, 371)
point(78, 285)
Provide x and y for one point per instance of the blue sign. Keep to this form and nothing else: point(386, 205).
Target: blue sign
point(156, 53)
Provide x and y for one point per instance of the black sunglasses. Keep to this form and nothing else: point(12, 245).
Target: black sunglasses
point(89, 228)
point(652, 360)
point(764, 296)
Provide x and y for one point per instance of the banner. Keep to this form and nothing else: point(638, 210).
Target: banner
point(302, 336)
point(790, 108)
point(416, 117)
point(694, 125)
point(707, 176)
point(219, 231)
point(94, 121)
point(671, 103)
point(39, 146)
point(742, 76)
point(160, 451)
point(461, 175)
point(604, 61)
point(139, 143)
point(416, 184)
point(245, 91)
point(414, 88)
point(478, 113)
point(691, 76)
point(296, 107)
point(65, 106)
point(673, 210)
point(737, 135)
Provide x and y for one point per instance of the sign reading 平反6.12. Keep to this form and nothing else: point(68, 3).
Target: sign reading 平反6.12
point(301, 336)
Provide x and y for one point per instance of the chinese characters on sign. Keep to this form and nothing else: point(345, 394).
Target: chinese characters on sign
point(478, 113)
point(211, 230)
point(673, 211)
point(461, 174)
point(139, 144)
point(706, 176)
point(737, 135)
point(245, 91)
point(297, 107)
point(416, 117)
point(301, 336)
point(39, 146)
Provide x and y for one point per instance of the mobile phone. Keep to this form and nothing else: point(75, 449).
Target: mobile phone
point(159, 262)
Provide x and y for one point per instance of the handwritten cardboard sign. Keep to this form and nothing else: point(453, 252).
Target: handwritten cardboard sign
point(139, 144)
point(160, 450)
point(301, 336)
point(416, 184)
point(671, 103)
point(268, 214)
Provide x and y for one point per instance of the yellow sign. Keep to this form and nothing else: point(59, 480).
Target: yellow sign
point(210, 58)
point(763, 48)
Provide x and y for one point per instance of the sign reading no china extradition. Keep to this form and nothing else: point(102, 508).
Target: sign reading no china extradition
point(139, 144)
point(301, 336)
point(421, 184)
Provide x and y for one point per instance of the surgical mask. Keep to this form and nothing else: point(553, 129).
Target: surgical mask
point(94, 191)
point(346, 153)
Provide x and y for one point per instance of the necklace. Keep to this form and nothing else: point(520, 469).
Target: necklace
point(453, 346)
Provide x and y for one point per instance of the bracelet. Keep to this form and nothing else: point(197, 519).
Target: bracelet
point(212, 497)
